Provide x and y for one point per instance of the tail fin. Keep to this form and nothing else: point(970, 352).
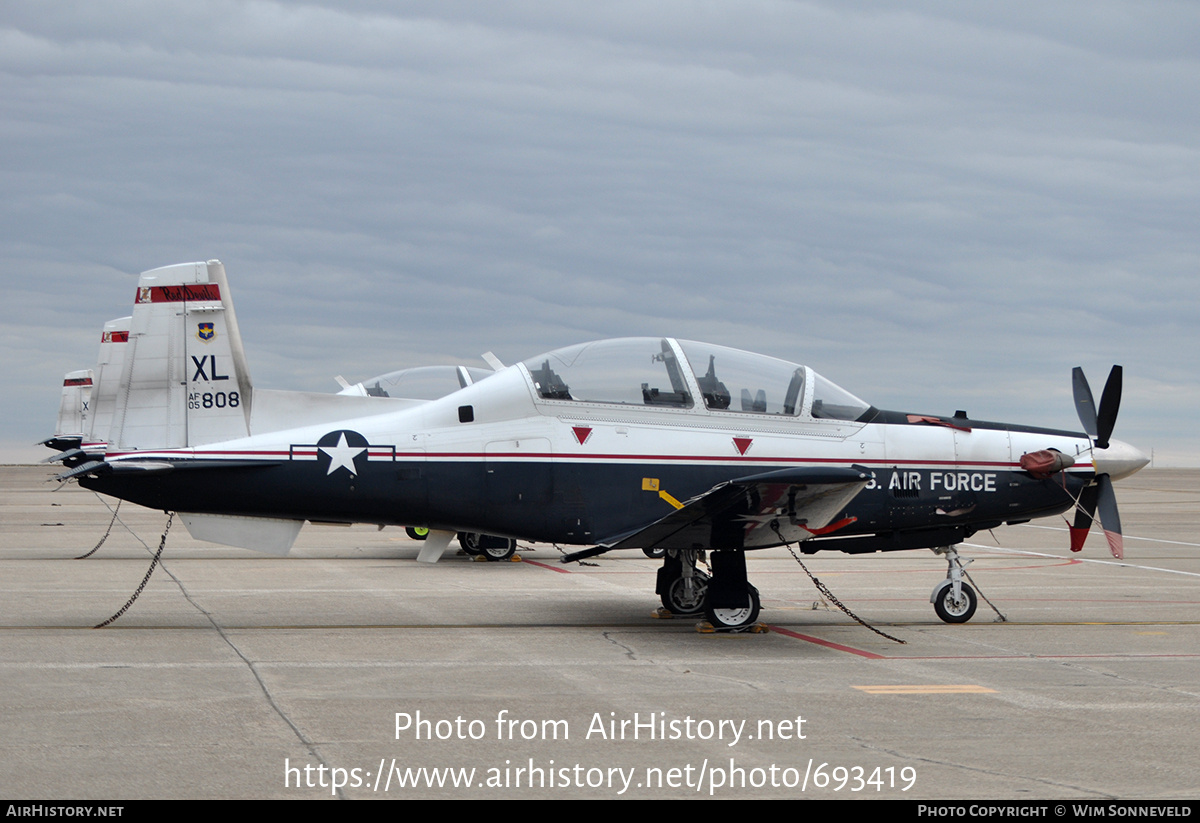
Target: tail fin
point(89, 396)
point(109, 366)
point(184, 379)
point(74, 411)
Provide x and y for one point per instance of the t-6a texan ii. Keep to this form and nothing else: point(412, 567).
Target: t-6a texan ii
point(678, 448)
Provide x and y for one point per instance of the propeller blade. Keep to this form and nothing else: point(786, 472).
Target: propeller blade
point(1098, 496)
point(1110, 402)
point(1109, 519)
point(1085, 406)
point(1085, 513)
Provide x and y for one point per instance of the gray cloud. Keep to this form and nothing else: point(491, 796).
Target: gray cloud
point(935, 206)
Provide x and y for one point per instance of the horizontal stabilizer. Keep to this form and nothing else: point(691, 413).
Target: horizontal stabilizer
point(61, 444)
point(65, 455)
point(85, 468)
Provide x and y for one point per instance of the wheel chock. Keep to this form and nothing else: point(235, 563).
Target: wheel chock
point(666, 614)
point(704, 627)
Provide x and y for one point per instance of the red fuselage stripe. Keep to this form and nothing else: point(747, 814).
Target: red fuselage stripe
point(583, 458)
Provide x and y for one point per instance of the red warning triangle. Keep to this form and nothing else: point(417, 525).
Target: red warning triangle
point(582, 433)
point(742, 444)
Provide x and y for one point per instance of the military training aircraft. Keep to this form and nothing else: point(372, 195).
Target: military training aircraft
point(677, 447)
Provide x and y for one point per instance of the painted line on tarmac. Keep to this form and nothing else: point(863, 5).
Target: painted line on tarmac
point(828, 644)
point(965, 688)
point(1121, 563)
point(541, 565)
point(1127, 536)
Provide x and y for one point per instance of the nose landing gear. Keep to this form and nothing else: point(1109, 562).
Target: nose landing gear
point(953, 600)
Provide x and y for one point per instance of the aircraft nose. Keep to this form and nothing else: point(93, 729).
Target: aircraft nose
point(1119, 460)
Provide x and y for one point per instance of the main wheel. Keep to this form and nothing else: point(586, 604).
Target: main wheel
point(735, 618)
point(678, 600)
point(955, 611)
point(503, 549)
point(654, 554)
point(417, 532)
point(470, 542)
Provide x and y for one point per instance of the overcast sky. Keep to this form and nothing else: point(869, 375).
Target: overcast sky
point(936, 205)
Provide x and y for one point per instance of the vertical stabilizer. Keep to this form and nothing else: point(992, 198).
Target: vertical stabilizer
point(184, 381)
point(218, 388)
point(109, 367)
point(74, 410)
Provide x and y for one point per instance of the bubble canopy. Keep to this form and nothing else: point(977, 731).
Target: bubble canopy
point(684, 374)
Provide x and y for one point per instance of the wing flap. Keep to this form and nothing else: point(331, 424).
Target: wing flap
point(752, 512)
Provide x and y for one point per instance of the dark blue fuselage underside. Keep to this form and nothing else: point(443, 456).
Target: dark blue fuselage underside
point(580, 503)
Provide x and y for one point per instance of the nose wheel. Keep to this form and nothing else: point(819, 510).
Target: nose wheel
point(954, 608)
point(953, 600)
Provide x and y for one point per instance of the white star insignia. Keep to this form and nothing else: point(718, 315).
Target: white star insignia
point(342, 456)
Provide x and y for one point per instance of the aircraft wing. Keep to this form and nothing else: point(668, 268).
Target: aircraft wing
point(744, 513)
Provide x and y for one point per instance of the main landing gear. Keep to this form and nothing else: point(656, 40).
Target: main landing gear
point(493, 548)
point(476, 545)
point(726, 599)
point(952, 599)
point(681, 586)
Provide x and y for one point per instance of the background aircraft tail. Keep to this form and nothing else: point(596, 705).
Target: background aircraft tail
point(109, 366)
point(89, 396)
point(74, 410)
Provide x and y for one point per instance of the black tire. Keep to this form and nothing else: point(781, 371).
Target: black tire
point(470, 542)
point(504, 551)
point(735, 618)
point(676, 601)
point(417, 532)
point(654, 554)
point(955, 612)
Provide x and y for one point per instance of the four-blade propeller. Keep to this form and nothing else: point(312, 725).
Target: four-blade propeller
point(1099, 493)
